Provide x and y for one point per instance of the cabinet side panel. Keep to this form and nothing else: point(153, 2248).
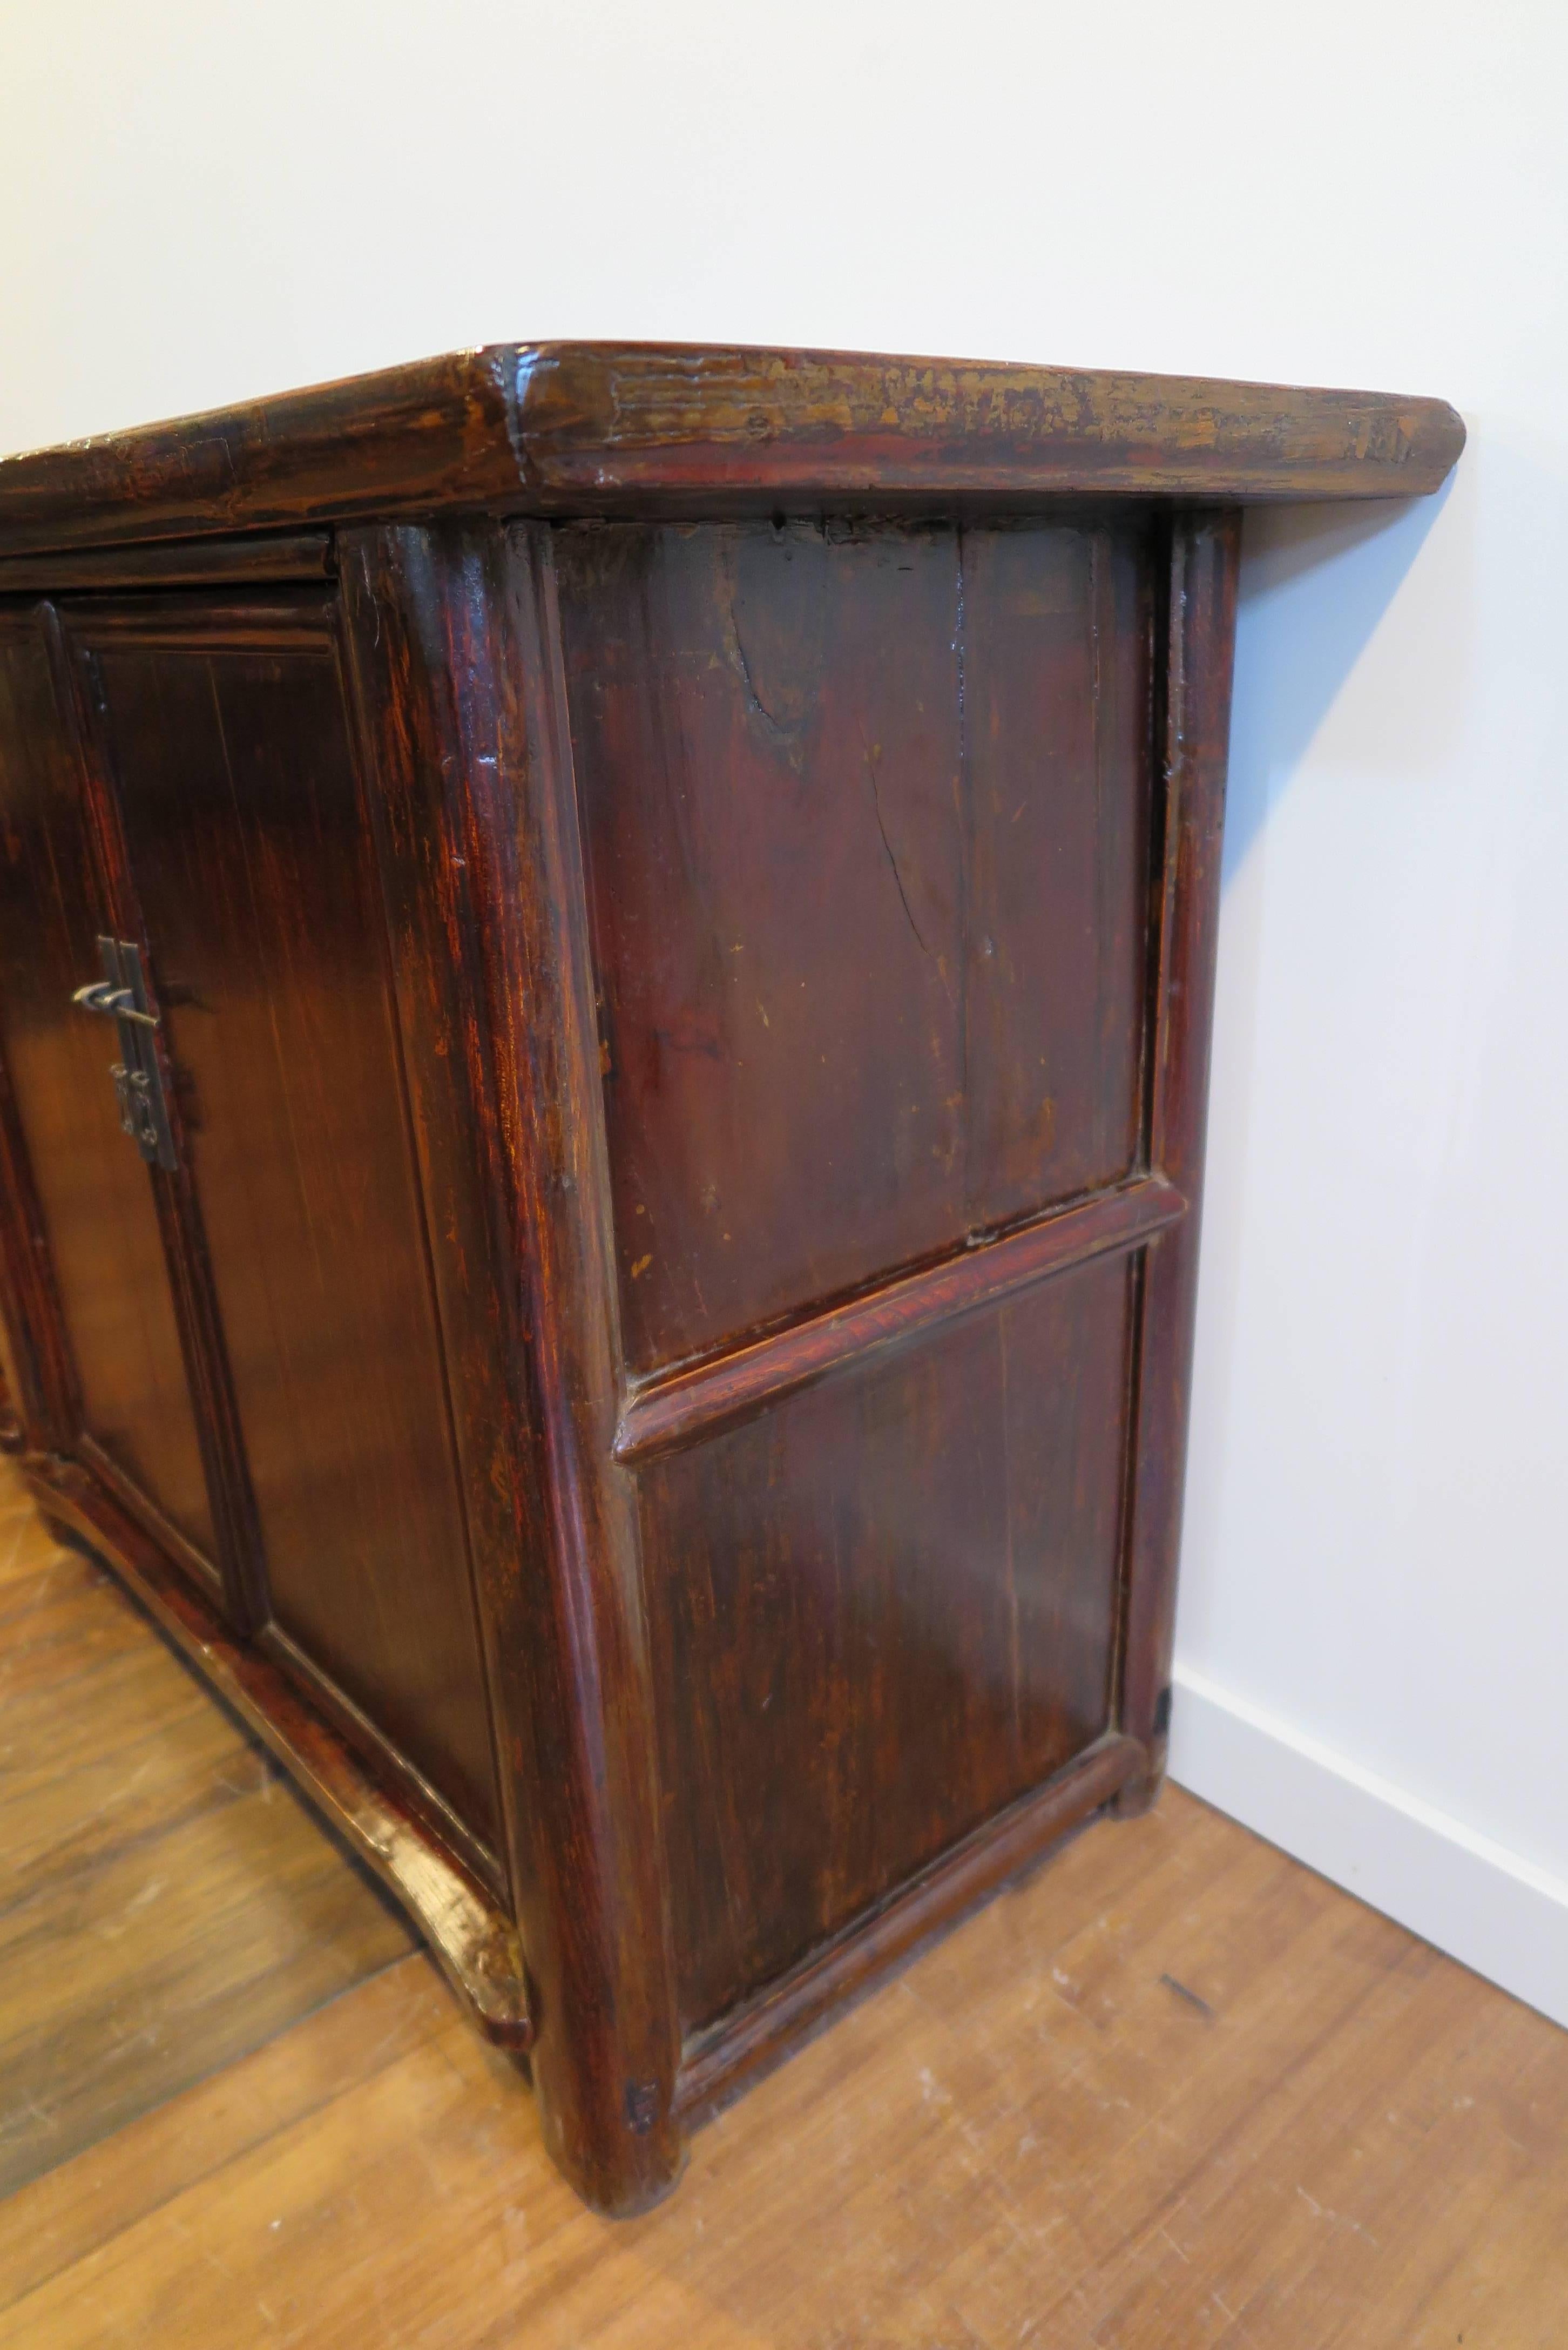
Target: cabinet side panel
point(91, 1188)
point(879, 1613)
point(865, 819)
point(1057, 743)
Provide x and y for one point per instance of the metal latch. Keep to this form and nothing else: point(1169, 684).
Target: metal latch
point(120, 996)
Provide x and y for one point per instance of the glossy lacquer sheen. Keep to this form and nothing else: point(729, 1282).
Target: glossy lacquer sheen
point(675, 893)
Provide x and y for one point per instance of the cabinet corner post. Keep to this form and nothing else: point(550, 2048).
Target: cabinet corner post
point(1194, 654)
point(452, 646)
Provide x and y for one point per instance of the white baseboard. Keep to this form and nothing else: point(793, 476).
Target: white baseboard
point(1482, 1904)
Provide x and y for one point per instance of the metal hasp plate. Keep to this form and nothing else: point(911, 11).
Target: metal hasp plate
point(120, 996)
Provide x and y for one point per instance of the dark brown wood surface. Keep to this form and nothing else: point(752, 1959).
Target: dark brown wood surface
point(867, 819)
point(665, 1412)
point(43, 1402)
point(751, 2038)
point(880, 1613)
point(455, 641)
point(225, 734)
point(765, 1234)
point(423, 713)
point(200, 562)
point(1195, 724)
point(682, 938)
point(95, 1247)
point(870, 840)
point(573, 428)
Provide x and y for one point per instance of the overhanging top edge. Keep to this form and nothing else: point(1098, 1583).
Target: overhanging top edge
point(570, 427)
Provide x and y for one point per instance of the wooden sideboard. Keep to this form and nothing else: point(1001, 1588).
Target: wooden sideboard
point(606, 961)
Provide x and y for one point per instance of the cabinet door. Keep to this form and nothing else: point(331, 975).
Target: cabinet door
point(223, 734)
point(91, 1211)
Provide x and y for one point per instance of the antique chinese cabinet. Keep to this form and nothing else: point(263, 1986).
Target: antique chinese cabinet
point(605, 958)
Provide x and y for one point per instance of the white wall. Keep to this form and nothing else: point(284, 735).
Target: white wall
point(198, 202)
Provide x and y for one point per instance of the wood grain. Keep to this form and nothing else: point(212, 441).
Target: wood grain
point(416, 621)
point(475, 1941)
point(1175, 2091)
point(42, 1401)
point(681, 937)
point(666, 1412)
point(879, 1614)
point(551, 427)
point(756, 2034)
point(84, 1234)
point(774, 1700)
point(166, 1902)
point(459, 631)
point(865, 817)
point(200, 563)
point(234, 1562)
point(225, 740)
point(87, 2200)
point(1195, 717)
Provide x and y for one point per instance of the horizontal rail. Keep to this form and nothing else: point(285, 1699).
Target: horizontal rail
point(200, 563)
point(693, 1404)
point(730, 2054)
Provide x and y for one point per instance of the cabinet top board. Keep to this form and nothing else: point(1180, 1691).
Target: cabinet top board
point(670, 428)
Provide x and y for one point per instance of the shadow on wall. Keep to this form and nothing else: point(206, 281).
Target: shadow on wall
point(1315, 582)
point(1317, 586)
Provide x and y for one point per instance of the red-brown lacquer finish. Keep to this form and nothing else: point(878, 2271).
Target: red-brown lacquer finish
point(641, 1329)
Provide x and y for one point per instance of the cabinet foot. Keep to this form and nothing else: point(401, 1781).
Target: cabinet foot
point(1141, 1793)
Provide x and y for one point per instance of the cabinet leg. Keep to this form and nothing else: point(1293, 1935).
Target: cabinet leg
point(1141, 1795)
point(619, 2172)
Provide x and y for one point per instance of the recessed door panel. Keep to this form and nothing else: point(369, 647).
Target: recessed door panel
point(97, 1200)
point(226, 739)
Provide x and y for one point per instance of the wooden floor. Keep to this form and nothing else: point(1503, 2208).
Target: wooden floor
point(1177, 2091)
